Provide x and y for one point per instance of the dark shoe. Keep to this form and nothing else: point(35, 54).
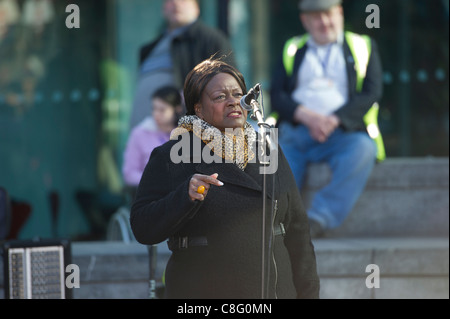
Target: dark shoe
point(315, 228)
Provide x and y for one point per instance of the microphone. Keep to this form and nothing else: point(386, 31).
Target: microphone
point(252, 94)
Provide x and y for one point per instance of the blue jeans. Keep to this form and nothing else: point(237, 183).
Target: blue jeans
point(351, 157)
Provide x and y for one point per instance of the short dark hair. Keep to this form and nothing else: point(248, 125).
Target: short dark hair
point(172, 96)
point(200, 76)
point(169, 94)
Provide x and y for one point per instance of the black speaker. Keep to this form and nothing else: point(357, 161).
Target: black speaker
point(36, 269)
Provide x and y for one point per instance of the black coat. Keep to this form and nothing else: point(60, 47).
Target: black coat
point(197, 44)
point(351, 114)
point(231, 220)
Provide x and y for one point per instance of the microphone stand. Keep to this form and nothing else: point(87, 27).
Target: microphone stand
point(266, 141)
point(152, 254)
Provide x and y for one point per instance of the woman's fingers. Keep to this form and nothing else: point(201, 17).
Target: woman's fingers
point(200, 184)
point(194, 194)
point(211, 179)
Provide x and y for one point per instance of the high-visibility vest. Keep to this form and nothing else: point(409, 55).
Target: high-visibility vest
point(361, 48)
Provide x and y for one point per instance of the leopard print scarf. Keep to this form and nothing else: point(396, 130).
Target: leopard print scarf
point(234, 146)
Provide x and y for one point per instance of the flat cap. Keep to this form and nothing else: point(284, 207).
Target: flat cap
point(317, 5)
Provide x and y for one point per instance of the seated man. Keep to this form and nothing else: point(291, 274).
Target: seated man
point(322, 91)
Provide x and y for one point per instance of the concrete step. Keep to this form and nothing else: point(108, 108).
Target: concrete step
point(409, 268)
point(403, 197)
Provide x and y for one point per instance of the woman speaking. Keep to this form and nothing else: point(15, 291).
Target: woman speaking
point(210, 205)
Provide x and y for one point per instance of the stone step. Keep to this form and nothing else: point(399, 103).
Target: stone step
point(409, 268)
point(403, 197)
point(403, 263)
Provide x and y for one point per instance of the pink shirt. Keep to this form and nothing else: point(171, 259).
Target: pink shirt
point(143, 139)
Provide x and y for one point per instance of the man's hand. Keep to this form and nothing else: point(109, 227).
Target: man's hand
point(320, 126)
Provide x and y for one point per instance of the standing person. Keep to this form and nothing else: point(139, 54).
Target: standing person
point(153, 131)
point(211, 210)
point(185, 42)
point(325, 92)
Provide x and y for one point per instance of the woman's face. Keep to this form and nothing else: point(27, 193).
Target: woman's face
point(220, 103)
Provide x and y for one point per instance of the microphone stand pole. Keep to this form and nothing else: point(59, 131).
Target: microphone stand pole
point(152, 254)
point(266, 141)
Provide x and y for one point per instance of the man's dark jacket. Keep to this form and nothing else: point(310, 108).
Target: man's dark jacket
point(351, 114)
point(198, 43)
point(230, 218)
